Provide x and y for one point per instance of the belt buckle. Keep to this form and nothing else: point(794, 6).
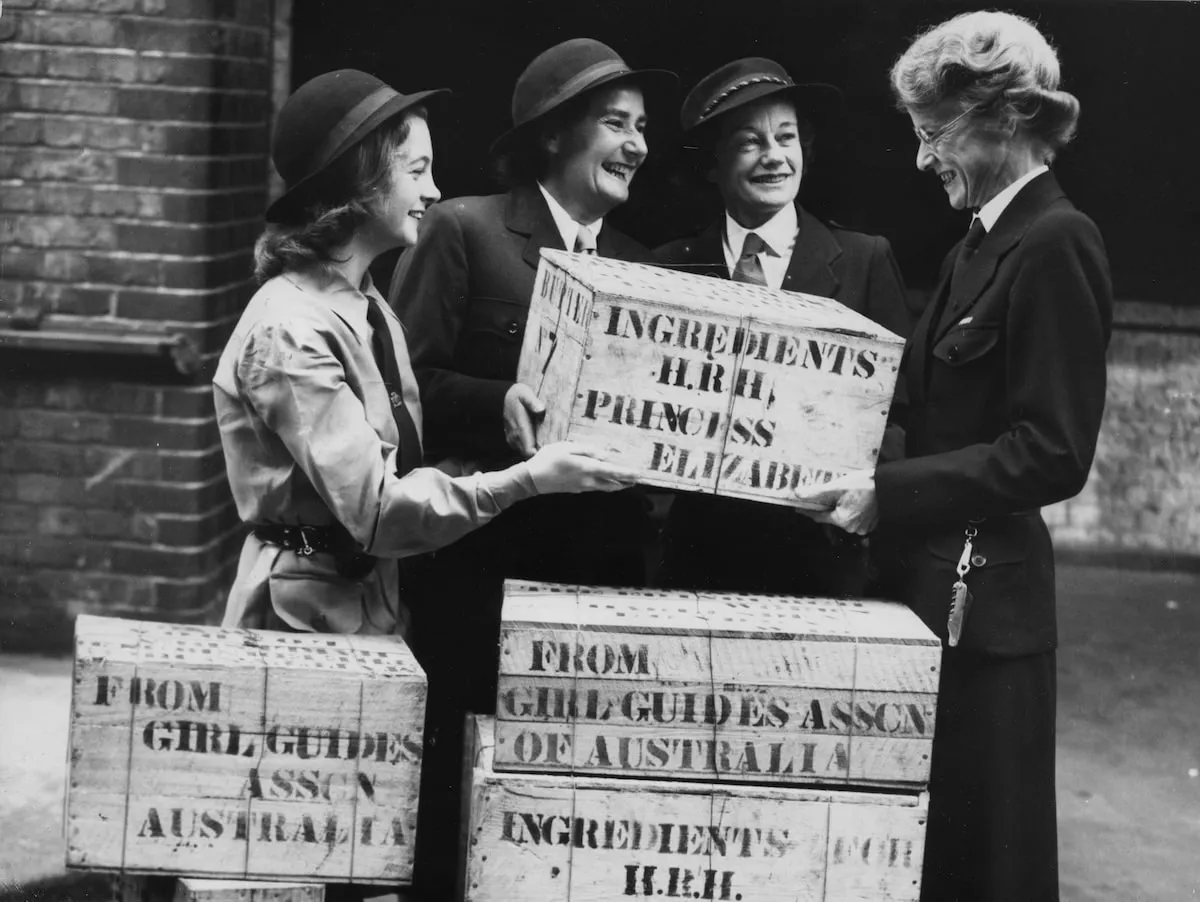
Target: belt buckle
point(305, 549)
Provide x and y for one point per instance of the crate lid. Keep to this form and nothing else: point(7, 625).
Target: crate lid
point(533, 605)
point(144, 642)
point(722, 297)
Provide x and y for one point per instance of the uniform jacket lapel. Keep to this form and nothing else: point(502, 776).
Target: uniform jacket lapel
point(917, 350)
point(708, 253)
point(1008, 231)
point(528, 215)
point(813, 258)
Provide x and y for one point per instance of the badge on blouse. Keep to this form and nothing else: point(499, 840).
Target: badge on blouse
point(395, 399)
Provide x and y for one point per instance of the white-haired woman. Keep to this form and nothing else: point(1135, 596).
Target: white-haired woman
point(1006, 381)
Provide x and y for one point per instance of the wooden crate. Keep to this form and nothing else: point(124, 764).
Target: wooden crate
point(539, 837)
point(706, 384)
point(680, 685)
point(236, 753)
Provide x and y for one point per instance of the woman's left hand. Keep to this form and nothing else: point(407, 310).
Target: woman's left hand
point(847, 503)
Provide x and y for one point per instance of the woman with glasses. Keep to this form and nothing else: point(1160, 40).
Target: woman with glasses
point(1006, 380)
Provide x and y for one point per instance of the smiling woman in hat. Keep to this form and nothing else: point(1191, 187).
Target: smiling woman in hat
point(1006, 376)
point(317, 405)
point(756, 128)
point(577, 142)
point(578, 139)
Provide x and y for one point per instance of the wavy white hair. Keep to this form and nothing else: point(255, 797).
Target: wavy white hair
point(995, 63)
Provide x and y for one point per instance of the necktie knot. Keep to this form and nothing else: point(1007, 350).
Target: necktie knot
point(585, 241)
point(749, 267)
point(975, 235)
point(753, 245)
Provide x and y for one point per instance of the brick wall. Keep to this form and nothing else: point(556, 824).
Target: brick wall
point(133, 174)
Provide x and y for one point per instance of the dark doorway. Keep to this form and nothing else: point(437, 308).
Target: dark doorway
point(1132, 168)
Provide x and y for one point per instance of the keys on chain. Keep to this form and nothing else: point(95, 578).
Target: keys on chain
point(960, 595)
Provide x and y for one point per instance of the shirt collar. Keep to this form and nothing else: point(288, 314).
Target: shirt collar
point(568, 228)
point(990, 212)
point(339, 295)
point(779, 232)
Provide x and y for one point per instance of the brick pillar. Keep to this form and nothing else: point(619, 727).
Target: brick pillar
point(133, 177)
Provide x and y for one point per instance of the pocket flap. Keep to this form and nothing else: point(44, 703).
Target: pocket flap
point(497, 316)
point(1003, 540)
point(327, 603)
point(966, 343)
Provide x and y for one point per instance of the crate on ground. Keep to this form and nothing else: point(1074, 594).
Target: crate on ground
point(706, 384)
point(540, 837)
point(698, 686)
point(210, 752)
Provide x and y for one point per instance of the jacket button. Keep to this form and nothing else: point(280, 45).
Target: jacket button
point(978, 560)
point(952, 354)
point(514, 327)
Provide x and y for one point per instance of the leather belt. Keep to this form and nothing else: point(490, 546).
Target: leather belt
point(349, 559)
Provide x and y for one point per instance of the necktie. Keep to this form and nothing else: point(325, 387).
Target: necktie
point(952, 305)
point(967, 250)
point(409, 453)
point(748, 268)
point(585, 241)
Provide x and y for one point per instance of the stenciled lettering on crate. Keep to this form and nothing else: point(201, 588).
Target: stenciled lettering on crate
point(705, 384)
point(570, 837)
point(680, 685)
point(241, 753)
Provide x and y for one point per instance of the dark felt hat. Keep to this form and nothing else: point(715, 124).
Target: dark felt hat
point(566, 71)
point(746, 80)
point(324, 118)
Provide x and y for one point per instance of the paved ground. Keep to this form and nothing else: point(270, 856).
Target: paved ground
point(1129, 748)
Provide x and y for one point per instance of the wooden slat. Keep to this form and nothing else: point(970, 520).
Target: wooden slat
point(193, 889)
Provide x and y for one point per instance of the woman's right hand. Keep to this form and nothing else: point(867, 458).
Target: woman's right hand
point(568, 467)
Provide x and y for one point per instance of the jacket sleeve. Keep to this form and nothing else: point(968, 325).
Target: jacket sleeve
point(888, 306)
point(1057, 329)
point(887, 303)
point(296, 384)
point(430, 290)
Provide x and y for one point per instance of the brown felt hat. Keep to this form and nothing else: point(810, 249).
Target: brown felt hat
point(746, 80)
point(323, 119)
point(566, 71)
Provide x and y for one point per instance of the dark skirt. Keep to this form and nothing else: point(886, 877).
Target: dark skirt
point(992, 833)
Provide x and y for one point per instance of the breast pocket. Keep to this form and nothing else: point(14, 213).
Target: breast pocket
point(967, 383)
point(490, 340)
point(965, 345)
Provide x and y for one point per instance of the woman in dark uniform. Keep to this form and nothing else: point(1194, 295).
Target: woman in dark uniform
point(463, 293)
point(756, 125)
point(1006, 380)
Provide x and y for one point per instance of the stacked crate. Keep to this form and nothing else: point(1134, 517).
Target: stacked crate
point(693, 745)
point(243, 754)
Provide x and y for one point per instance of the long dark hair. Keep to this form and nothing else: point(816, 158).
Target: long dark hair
point(326, 215)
